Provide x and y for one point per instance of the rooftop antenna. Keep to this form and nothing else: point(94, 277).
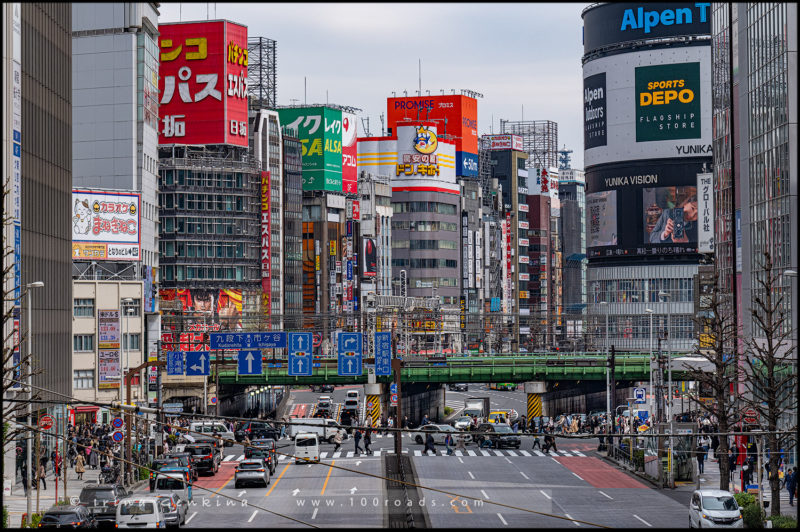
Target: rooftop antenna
point(366, 126)
point(383, 134)
point(405, 93)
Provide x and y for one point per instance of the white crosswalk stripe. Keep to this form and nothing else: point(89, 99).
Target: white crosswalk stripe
point(538, 453)
point(240, 458)
point(497, 452)
point(337, 454)
point(459, 453)
point(524, 453)
point(565, 453)
point(484, 453)
point(378, 452)
point(511, 453)
point(350, 454)
point(228, 458)
point(578, 453)
point(417, 453)
point(323, 454)
point(281, 457)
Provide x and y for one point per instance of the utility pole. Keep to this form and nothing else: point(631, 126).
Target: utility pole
point(397, 366)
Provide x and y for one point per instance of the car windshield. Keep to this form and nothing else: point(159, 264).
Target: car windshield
point(306, 442)
point(97, 495)
point(137, 508)
point(158, 464)
point(725, 502)
point(169, 483)
point(502, 428)
point(183, 460)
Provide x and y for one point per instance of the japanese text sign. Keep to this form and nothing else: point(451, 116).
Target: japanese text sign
point(203, 83)
point(105, 226)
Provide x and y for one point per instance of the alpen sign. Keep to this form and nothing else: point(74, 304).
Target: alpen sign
point(594, 111)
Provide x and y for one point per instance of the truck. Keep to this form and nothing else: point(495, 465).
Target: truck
point(476, 406)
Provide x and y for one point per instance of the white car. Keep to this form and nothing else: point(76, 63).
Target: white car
point(211, 428)
point(462, 423)
point(438, 437)
point(140, 512)
point(714, 509)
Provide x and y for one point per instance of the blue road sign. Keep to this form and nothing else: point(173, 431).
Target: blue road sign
point(393, 388)
point(300, 361)
point(383, 353)
point(175, 363)
point(198, 362)
point(349, 354)
point(247, 340)
point(117, 436)
point(349, 270)
point(249, 362)
point(640, 394)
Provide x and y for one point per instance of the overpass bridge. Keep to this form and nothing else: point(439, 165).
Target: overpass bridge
point(465, 368)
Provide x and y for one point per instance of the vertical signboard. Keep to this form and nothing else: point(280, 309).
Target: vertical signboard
point(705, 213)
point(594, 111)
point(203, 83)
point(349, 153)
point(12, 206)
point(370, 258)
point(108, 349)
point(266, 261)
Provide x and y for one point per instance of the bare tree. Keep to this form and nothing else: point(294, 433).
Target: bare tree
point(717, 326)
point(771, 380)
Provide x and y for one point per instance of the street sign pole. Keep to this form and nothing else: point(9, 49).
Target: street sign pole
point(397, 366)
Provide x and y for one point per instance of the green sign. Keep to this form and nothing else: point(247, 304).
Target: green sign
point(320, 132)
point(668, 102)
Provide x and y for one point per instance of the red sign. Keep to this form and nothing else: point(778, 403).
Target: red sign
point(460, 111)
point(750, 416)
point(46, 423)
point(266, 262)
point(203, 83)
point(356, 210)
point(317, 339)
point(349, 154)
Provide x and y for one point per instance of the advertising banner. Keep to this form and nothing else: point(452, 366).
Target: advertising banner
point(203, 83)
point(656, 104)
point(461, 113)
point(207, 309)
point(349, 153)
point(370, 258)
point(705, 213)
point(108, 345)
point(105, 225)
point(12, 208)
point(266, 254)
point(505, 142)
point(601, 218)
point(320, 132)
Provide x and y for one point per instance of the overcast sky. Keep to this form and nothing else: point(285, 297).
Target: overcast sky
point(524, 58)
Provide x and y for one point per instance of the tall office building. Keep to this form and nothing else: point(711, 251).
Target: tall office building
point(572, 195)
point(292, 230)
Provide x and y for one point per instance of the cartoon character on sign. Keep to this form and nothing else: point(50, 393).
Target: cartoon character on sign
point(425, 141)
point(82, 220)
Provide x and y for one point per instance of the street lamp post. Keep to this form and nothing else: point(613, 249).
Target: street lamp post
point(650, 365)
point(28, 482)
point(608, 375)
point(665, 295)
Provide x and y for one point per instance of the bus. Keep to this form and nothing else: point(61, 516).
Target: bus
point(503, 386)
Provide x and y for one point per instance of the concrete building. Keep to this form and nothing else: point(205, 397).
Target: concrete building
point(540, 255)
point(292, 231)
point(572, 194)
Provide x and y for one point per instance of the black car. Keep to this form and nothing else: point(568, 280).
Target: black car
point(256, 430)
point(458, 387)
point(101, 501)
point(206, 457)
point(500, 434)
point(77, 516)
point(186, 460)
point(158, 464)
point(322, 388)
point(264, 449)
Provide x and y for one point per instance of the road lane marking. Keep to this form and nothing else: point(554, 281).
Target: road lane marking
point(459, 453)
point(546, 495)
point(642, 520)
point(579, 453)
point(511, 453)
point(323, 454)
point(337, 454)
point(350, 454)
point(471, 475)
point(325, 485)
point(507, 460)
point(570, 517)
point(503, 520)
point(377, 453)
point(278, 479)
point(524, 475)
point(314, 515)
point(484, 453)
point(252, 517)
point(471, 453)
point(460, 460)
point(579, 478)
point(417, 453)
point(226, 483)
point(610, 497)
point(498, 453)
point(190, 518)
point(538, 453)
point(524, 453)
point(228, 458)
point(565, 453)
point(240, 458)
point(484, 494)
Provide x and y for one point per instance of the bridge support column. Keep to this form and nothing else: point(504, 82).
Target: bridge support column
point(534, 391)
point(372, 403)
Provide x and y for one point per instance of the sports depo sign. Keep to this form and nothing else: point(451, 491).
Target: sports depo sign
point(668, 102)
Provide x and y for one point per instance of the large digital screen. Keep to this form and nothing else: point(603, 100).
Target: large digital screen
point(642, 210)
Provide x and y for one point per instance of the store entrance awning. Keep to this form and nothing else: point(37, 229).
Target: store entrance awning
point(81, 409)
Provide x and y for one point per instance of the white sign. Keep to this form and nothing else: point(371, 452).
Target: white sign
point(504, 142)
point(105, 225)
point(705, 213)
point(640, 394)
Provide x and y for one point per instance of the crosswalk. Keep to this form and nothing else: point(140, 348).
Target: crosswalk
point(439, 452)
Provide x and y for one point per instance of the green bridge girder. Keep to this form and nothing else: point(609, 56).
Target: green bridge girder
point(514, 368)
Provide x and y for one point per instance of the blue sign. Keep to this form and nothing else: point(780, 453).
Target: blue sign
point(175, 363)
point(117, 436)
point(249, 362)
point(198, 362)
point(383, 353)
point(349, 270)
point(495, 305)
point(640, 394)
point(349, 359)
point(300, 360)
point(245, 340)
point(393, 388)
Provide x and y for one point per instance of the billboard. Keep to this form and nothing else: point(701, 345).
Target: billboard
point(504, 142)
point(655, 104)
point(642, 210)
point(370, 258)
point(614, 23)
point(705, 212)
point(203, 83)
point(349, 153)
point(207, 309)
point(266, 252)
point(322, 133)
point(105, 225)
point(455, 115)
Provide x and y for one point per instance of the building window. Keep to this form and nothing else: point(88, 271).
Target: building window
point(83, 379)
point(83, 342)
point(83, 308)
point(130, 342)
point(134, 308)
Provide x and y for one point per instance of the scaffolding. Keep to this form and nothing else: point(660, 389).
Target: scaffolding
point(262, 71)
point(539, 140)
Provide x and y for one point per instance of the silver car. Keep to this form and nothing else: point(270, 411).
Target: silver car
point(710, 508)
point(251, 471)
point(174, 508)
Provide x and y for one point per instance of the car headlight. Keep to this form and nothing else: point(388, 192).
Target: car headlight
point(704, 516)
point(738, 516)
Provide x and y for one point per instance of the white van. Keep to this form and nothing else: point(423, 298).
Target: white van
point(352, 394)
point(306, 445)
point(140, 512)
point(324, 428)
point(170, 482)
point(208, 428)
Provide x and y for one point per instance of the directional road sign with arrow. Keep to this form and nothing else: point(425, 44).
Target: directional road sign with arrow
point(300, 362)
point(198, 362)
point(349, 354)
point(248, 340)
point(249, 362)
point(175, 363)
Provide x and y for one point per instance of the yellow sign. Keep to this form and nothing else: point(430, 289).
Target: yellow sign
point(333, 248)
point(425, 141)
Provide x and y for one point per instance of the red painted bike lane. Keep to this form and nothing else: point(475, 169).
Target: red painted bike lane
point(224, 476)
point(598, 473)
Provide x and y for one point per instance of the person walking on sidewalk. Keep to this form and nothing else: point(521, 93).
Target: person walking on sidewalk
point(42, 472)
point(80, 468)
point(337, 440)
point(791, 485)
point(701, 456)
